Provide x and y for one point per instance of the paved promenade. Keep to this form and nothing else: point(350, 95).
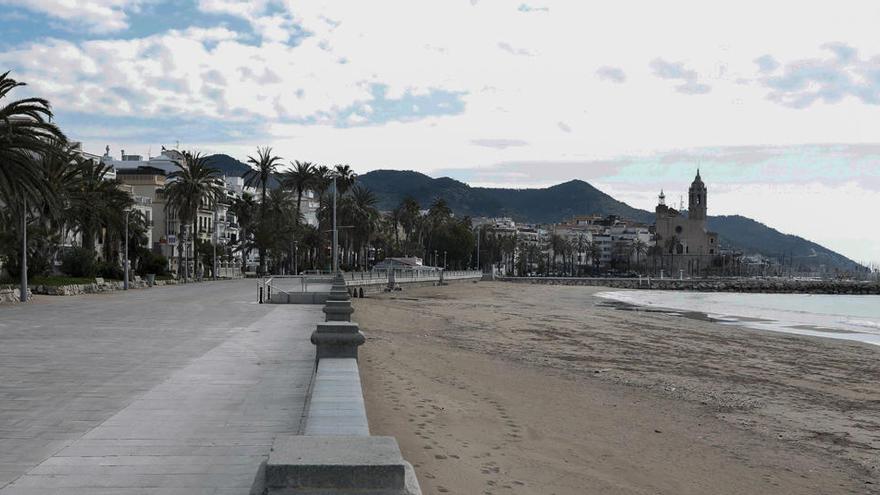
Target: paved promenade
point(161, 391)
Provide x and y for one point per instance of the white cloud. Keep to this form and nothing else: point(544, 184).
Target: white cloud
point(288, 76)
point(99, 16)
point(613, 74)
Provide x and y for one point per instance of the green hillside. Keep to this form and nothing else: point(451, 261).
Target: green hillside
point(576, 197)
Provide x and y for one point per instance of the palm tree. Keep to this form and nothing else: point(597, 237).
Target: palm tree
point(192, 185)
point(266, 165)
point(277, 233)
point(26, 130)
point(672, 244)
point(345, 178)
point(323, 179)
point(96, 202)
point(300, 178)
point(595, 253)
point(245, 209)
point(640, 247)
point(410, 215)
point(557, 245)
point(365, 218)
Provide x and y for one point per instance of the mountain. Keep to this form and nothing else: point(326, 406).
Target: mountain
point(547, 205)
point(232, 167)
point(576, 197)
point(228, 165)
point(752, 236)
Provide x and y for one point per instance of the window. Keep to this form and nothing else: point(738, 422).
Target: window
point(678, 229)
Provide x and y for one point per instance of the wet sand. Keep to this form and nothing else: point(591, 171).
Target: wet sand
point(496, 388)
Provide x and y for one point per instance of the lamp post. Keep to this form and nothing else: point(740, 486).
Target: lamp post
point(23, 289)
point(435, 258)
point(214, 240)
point(335, 232)
point(478, 248)
point(444, 260)
point(125, 263)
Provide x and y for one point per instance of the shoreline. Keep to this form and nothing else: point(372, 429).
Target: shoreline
point(725, 309)
point(734, 284)
point(738, 410)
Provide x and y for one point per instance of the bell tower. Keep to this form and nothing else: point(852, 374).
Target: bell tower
point(697, 199)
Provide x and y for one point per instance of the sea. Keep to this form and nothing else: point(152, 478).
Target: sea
point(843, 317)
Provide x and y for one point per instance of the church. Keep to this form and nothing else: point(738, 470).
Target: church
point(684, 242)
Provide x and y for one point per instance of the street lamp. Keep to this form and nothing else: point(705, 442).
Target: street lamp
point(444, 260)
point(214, 240)
point(125, 263)
point(335, 232)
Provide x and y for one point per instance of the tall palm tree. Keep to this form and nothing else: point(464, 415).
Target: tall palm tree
point(300, 178)
point(410, 215)
point(194, 184)
point(595, 253)
point(245, 211)
point(96, 202)
point(639, 247)
point(345, 178)
point(557, 246)
point(365, 218)
point(277, 234)
point(323, 179)
point(266, 166)
point(26, 129)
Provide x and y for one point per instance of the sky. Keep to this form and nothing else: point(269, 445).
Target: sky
point(777, 103)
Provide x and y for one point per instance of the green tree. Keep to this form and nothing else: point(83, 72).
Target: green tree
point(266, 166)
point(26, 131)
point(245, 211)
point(345, 178)
point(300, 178)
point(96, 203)
point(192, 185)
point(363, 216)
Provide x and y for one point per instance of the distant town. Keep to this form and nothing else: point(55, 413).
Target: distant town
point(231, 241)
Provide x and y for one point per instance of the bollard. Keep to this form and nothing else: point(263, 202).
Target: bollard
point(261, 295)
point(361, 292)
point(268, 293)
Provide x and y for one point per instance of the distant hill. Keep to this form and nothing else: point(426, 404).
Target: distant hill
point(232, 167)
point(752, 236)
point(228, 165)
point(576, 197)
point(546, 205)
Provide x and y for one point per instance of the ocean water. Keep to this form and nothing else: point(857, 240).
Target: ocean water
point(832, 316)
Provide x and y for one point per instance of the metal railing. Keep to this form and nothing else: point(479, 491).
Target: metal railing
point(276, 284)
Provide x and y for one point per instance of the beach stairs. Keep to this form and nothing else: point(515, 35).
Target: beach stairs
point(335, 454)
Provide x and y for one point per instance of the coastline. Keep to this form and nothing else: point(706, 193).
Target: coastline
point(543, 390)
point(767, 285)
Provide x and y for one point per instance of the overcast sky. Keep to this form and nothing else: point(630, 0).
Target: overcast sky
point(778, 102)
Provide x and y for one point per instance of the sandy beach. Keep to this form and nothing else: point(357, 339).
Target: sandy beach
point(496, 388)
